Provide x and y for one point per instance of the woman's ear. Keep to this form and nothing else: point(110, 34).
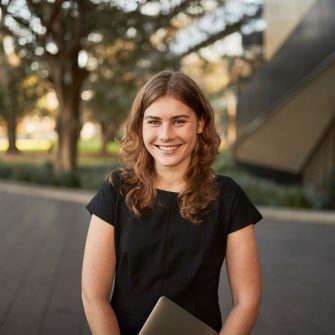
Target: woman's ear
point(201, 123)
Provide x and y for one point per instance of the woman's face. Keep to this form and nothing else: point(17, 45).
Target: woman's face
point(170, 131)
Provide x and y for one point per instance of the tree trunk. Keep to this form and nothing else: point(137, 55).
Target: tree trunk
point(104, 137)
point(68, 128)
point(108, 131)
point(11, 132)
point(67, 78)
point(104, 145)
point(8, 104)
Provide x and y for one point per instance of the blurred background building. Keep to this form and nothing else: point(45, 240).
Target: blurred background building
point(286, 112)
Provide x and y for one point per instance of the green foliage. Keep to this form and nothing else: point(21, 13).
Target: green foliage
point(269, 193)
point(324, 196)
point(67, 179)
point(38, 174)
point(5, 171)
point(87, 176)
point(224, 163)
point(91, 177)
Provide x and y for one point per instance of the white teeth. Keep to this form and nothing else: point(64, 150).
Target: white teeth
point(168, 148)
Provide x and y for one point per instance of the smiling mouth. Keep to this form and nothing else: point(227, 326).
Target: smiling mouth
point(168, 148)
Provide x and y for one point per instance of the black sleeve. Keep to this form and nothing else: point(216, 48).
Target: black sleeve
point(243, 212)
point(103, 203)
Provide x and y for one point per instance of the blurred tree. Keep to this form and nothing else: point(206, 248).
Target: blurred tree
point(69, 37)
point(142, 48)
point(20, 90)
point(8, 106)
point(49, 34)
point(124, 66)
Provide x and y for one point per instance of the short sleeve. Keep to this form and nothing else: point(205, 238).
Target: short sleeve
point(103, 203)
point(243, 212)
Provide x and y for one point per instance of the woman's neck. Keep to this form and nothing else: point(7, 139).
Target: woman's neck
point(169, 180)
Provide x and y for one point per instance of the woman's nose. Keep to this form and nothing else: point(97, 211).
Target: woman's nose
point(165, 132)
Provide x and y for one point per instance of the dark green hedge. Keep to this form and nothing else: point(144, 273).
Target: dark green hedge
point(261, 191)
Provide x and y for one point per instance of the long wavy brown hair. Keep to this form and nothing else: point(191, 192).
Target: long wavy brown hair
point(139, 172)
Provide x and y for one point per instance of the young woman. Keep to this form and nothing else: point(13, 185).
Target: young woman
point(164, 224)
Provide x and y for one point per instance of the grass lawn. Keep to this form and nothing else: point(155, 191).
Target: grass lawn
point(39, 151)
point(28, 145)
point(94, 145)
point(49, 146)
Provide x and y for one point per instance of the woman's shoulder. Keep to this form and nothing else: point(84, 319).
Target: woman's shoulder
point(236, 201)
point(229, 188)
point(112, 183)
point(227, 182)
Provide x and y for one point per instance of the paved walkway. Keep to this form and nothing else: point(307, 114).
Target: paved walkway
point(42, 236)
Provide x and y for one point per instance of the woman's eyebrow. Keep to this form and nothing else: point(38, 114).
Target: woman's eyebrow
point(173, 117)
point(182, 115)
point(152, 117)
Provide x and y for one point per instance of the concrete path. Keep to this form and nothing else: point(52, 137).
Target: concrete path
point(41, 248)
point(298, 271)
point(42, 236)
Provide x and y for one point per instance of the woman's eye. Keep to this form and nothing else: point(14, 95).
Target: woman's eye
point(179, 122)
point(153, 122)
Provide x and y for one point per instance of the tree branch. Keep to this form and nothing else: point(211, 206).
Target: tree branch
point(54, 14)
point(212, 38)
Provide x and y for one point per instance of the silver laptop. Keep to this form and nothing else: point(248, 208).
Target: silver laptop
point(167, 318)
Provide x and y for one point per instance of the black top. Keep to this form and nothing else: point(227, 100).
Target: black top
point(163, 254)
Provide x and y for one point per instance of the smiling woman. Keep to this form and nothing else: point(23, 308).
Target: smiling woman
point(170, 144)
point(164, 224)
point(170, 130)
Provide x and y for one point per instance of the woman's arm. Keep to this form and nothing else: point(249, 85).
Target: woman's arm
point(97, 278)
point(244, 276)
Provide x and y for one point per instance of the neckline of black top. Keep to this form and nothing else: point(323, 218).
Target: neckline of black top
point(165, 191)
